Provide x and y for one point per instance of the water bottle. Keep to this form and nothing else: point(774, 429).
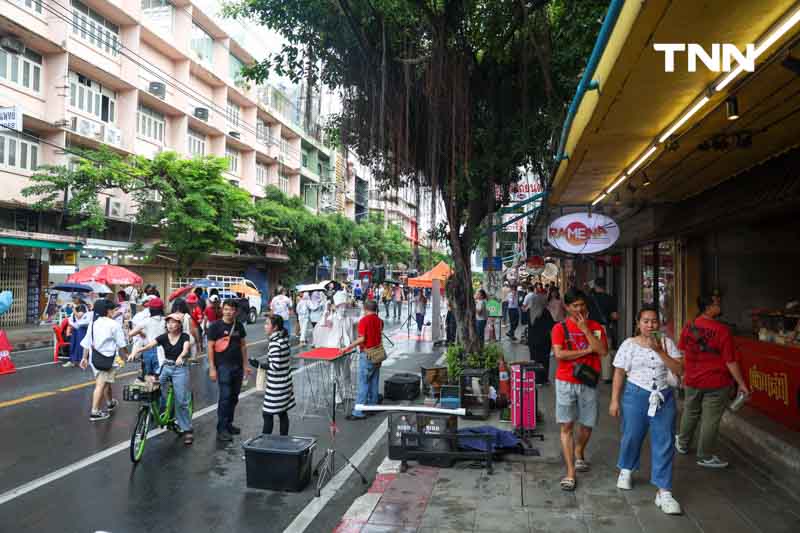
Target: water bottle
point(739, 401)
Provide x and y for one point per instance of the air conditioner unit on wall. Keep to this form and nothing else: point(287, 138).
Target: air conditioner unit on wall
point(201, 113)
point(113, 135)
point(158, 89)
point(12, 44)
point(114, 208)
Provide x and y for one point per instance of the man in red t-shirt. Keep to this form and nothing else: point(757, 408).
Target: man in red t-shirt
point(710, 370)
point(370, 330)
point(583, 342)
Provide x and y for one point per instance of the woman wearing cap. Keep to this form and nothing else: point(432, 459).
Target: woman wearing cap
point(196, 313)
point(175, 344)
point(181, 307)
point(148, 329)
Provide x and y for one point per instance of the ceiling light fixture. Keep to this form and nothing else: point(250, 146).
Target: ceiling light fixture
point(599, 199)
point(617, 183)
point(732, 108)
point(641, 160)
point(686, 116)
point(761, 48)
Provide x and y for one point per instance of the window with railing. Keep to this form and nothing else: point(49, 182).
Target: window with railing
point(31, 5)
point(160, 14)
point(196, 142)
point(234, 113)
point(261, 174)
point(19, 153)
point(263, 134)
point(23, 70)
point(91, 97)
point(283, 182)
point(233, 156)
point(235, 67)
point(310, 195)
point(150, 124)
point(202, 44)
point(90, 26)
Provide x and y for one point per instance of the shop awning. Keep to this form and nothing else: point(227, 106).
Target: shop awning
point(36, 243)
point(618, 138)
point(441, 272)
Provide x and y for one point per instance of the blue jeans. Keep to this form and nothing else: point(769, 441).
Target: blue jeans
point(287, 323)
point(368, 383)
point(229, 380)
point(635, 423)
point(420, 317)
point(150, 361)
point(183, 393)
point(480, 329)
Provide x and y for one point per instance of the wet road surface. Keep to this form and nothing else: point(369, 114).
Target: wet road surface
point(174, 488)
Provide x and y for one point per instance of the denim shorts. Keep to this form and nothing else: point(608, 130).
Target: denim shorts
point(575, 401)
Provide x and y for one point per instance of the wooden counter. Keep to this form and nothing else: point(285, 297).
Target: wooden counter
point(772, 372)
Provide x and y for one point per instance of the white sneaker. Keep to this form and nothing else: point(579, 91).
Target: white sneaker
point(68, 364)
point(683, 450)
point(667, 503)
point(712, 462)
point(625, 481)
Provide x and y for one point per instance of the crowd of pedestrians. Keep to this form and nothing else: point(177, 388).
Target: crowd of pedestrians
point(648, 369)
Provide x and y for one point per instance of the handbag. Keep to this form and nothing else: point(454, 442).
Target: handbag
point(100, 361)
point(376, 355)
point(222, 344)
point(582, 372)
point(261, 379)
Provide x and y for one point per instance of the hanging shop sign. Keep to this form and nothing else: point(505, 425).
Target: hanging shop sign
point(11, 118)
point(582, 233)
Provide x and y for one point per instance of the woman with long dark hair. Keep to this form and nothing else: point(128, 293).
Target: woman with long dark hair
point(641, 367)
point(279, 393)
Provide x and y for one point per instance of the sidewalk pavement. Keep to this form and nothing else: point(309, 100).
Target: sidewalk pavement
point(523, 494)
point(30, 337)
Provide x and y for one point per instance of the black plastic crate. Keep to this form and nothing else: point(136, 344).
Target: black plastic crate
point(400, 423)
point(436, 425)
point(275, 462)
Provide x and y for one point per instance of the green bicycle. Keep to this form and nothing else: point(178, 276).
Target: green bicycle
point(150, 412)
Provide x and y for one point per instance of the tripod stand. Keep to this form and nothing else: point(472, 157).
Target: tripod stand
point(325, 467)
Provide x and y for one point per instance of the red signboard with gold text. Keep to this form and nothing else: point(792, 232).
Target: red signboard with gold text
point(772, 372)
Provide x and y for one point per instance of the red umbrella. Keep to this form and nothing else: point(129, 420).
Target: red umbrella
point(180, 292)
point(107, 274)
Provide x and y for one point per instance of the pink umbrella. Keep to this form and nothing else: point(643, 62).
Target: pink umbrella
point(107, 274)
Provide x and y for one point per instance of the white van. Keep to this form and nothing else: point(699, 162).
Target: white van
point(225, 282)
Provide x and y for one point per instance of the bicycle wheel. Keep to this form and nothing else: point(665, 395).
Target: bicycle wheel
point(139, 437)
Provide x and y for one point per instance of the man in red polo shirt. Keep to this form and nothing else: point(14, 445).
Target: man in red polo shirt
point(370, 331)
point(710, 371)
point(583, 342)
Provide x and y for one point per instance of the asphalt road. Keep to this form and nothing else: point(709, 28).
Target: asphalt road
point(61, 472)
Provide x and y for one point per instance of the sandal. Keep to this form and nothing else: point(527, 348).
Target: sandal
point(581, 465)
point(188, 438)
point(568, 484)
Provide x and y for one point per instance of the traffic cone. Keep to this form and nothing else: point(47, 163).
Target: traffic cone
point(6, 364)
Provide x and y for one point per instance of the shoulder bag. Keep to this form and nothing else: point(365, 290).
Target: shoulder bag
point(100, 361)
point(582, 372)
point(222, 344)
point(377, 354)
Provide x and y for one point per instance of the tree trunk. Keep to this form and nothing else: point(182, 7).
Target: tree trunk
point(460, 288)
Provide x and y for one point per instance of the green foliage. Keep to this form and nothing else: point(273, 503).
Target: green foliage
point(373, 241)
point(198, 211)
point(454, 357)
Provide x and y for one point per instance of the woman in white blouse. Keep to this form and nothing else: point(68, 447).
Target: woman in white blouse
point(648, 403)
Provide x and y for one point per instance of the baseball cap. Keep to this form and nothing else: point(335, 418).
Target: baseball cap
point(178, 317)
point(213, 298)
point(192, 298)
point(154, 302)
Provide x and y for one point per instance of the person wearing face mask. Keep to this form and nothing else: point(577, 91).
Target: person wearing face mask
point(642, 392)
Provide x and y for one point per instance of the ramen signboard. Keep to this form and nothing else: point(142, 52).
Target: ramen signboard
point(582, 233)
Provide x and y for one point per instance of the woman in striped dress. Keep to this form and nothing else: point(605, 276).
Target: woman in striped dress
point(279, 395)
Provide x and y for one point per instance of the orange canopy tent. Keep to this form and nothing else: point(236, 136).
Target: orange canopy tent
point(441, 272)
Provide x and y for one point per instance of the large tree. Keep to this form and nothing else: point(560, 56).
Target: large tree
point(462, 95)
point(195, 211)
